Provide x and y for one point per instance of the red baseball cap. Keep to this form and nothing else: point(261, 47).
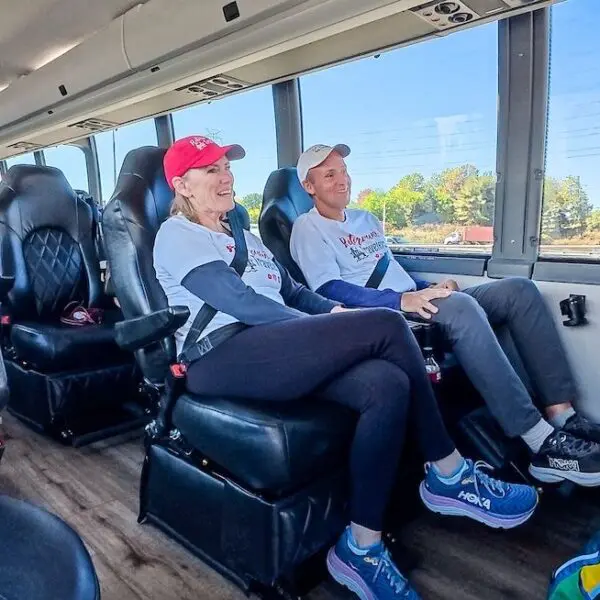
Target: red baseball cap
point(196, 151)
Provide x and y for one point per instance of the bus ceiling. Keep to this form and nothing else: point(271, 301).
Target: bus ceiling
point(79, 68)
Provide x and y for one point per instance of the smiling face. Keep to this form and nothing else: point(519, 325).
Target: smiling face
point(329, 184)
point(209, 190)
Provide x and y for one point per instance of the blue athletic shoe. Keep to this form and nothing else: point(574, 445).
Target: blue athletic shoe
point(473, 493)
point(369, 573)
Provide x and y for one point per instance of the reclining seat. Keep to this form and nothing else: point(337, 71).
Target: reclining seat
point(73, 382)
point(284, 200)
point(253, 488)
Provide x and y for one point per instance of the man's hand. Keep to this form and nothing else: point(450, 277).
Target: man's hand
point(336, 309)
point(419, 302)
point(448, 284)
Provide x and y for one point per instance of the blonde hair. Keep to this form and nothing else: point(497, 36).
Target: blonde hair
point(182, 206)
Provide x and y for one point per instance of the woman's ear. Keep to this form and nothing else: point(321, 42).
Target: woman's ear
point(180, 186)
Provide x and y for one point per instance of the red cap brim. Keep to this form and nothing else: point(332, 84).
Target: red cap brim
point(233, 152)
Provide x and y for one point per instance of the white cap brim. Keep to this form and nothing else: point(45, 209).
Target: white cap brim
point(315, 155)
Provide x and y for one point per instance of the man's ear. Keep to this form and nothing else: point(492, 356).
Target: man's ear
point(308, 186)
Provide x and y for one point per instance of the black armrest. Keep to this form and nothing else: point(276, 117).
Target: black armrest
point(140, 332)
point(6, 284)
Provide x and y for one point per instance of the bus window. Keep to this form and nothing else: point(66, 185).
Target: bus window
point(246, 119)
point(571, 208)
point(23, 159)
point(421, 123)
point(71, 161)
point(112, 146)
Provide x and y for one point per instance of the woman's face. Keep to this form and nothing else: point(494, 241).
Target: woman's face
point(209, 189)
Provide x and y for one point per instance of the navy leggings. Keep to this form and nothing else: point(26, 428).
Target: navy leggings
point(367, 360)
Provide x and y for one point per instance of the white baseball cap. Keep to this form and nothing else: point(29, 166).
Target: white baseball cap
point(315, 155)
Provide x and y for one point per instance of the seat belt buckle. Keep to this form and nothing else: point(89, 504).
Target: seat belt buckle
point(178, 370)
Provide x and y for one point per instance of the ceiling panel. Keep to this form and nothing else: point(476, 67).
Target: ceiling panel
point(34, 32)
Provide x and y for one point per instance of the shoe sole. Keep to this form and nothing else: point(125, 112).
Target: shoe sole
point(345, 576)
point(454, 508)
point(548, 475)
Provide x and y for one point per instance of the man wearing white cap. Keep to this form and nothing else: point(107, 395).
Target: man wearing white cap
point(344, 257)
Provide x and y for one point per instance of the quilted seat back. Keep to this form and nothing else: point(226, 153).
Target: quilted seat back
point(46, 243)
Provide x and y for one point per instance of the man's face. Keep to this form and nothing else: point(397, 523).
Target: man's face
point(329, 183)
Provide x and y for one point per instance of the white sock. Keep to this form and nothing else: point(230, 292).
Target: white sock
point(364, 537)
point(560, 419)
point(449, 466)
point(537, 435)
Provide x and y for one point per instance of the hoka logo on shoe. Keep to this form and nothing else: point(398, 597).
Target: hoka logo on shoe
point(475, 499)
point(563, 464)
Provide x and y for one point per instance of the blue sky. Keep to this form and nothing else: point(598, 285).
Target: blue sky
point(421, 108)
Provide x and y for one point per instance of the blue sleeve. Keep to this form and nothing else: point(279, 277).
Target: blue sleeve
point(300, 297)
point(222, 288)
point(356, 296)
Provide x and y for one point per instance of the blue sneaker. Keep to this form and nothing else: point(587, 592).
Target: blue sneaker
point(369, 573)
point(472, 493)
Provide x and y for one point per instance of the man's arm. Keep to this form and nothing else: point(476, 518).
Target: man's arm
point(356, 296)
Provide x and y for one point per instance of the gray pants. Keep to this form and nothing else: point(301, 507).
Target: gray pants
point(467, 319)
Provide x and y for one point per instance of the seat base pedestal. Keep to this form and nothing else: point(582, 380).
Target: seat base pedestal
point(77, 408)
point(251, 539)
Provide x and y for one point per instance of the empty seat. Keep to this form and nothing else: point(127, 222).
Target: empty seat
point(42, 557)
point(69, 381)
point(96, 220)
point(220, 472)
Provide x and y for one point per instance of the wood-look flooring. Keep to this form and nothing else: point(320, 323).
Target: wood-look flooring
point(95, 490)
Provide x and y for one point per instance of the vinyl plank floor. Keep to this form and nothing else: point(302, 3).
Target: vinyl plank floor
point(95, 489)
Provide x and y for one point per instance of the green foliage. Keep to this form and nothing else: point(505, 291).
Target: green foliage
point(462, 196)
point(252, 203)
point(593, 221)
point(567, 209)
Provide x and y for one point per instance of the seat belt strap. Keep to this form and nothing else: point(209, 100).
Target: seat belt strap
point(379, 271)
point(239, 263)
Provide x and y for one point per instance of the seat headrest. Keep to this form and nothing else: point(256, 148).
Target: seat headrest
point(284, 200)
point(36, 180)
point(45, 199)
point(284, 188)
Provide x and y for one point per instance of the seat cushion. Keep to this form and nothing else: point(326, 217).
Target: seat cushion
point(57, 347)
point(268, 446)
point(41, 557)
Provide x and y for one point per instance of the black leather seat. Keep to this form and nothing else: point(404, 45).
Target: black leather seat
point(96, 220)
point(70, 381)
point(50, 348)
point(284, 200)
point(41, 557)
point(221, 471)
point(272, 448)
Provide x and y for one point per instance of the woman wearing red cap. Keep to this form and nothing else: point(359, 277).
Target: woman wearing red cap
point(284, 343)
